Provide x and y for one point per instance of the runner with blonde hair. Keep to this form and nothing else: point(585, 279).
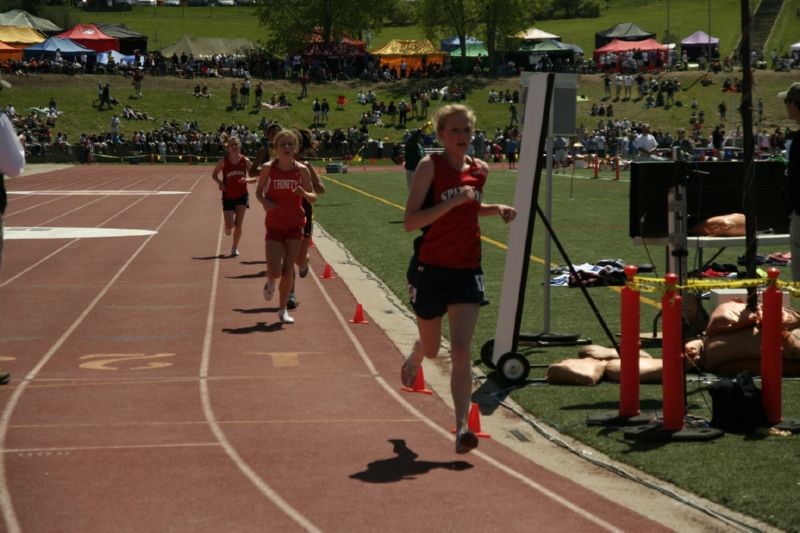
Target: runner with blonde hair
point(445, 275)
point(235, 198)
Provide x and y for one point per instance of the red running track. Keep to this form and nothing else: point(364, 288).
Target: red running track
point(152, 389)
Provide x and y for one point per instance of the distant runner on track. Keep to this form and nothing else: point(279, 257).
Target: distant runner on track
point(233, 184)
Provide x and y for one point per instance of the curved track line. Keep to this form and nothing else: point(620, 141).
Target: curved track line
point(445, 433)
point(208, 411)
point(73, 241)
point(6, 505)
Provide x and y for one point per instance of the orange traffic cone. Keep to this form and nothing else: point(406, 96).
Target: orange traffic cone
point(358, 318)
point(419, 384)
point(327, 274)
point(474, 422)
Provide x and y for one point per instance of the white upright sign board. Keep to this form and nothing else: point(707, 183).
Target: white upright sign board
point(534, 133)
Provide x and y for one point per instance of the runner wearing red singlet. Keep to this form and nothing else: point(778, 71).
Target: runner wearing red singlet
point(306, 148)
point(282, 185)
point(445, 275)
point(233, 184)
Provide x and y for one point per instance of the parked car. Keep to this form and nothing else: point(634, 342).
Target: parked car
point(146, 2)
point(225, 2)
point(199, 2)
point(174, 3)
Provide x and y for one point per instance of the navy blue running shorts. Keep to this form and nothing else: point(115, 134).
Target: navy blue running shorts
point(230, 205)
point(431, 289)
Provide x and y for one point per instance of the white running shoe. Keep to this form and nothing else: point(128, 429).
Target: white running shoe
point(283, 316)
point(269, 290)
point(234, 252)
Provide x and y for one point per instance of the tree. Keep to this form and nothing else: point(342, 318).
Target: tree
point(291, 24)
point(490, 20)
point(503, 18)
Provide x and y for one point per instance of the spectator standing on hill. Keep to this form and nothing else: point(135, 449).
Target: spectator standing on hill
point(138, 77)
point(512, 108)
point(413, 154)
point(316, 107)
point(325, 108)
point(234, 96)
point(607, 85)
point(511, 152)
point(791, 188)
point(259, 92)
point(444, 274)
point(723, 110)
point(717, 138)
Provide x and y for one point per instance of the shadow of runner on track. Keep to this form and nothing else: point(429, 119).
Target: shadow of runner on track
point(404, 466)
point(209, 257)
point(257, 327)
point(261, 274)
point(257, 310)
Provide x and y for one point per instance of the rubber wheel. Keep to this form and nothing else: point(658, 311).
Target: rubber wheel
point(486, 353)
point(514, 367)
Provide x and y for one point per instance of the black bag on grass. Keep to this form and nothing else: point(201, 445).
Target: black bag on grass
point(736, 405)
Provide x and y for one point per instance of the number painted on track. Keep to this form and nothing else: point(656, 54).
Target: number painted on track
point(122, 361)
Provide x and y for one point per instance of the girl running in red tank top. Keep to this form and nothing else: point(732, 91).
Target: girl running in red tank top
point(444, 275)
point(283, 183)
point(233, 184)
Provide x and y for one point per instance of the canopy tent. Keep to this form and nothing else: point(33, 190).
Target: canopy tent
point(551, 46)
point(201, 47)
point(66, 47)
point(129, 40)
point(9, 52)
point(19, 17)
point(89, 36)
point(340, 49)
point(20, 36)
point(617, 46)
point(627, 31)
point(697, 44)
point(415, 53)
point(534, 34)
point(119, 59)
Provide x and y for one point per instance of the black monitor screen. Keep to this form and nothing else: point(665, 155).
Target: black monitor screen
point(717, 193)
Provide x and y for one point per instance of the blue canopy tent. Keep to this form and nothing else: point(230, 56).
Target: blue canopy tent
point(68, 49)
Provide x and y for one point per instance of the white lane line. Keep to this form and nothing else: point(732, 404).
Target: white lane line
point(574, 507)
point(6, 505)
point(73, 241)
point(21, 233)
point(56, 450)
point(93, 192)
point(214, 425)
point(73, 210)
point(34, 206)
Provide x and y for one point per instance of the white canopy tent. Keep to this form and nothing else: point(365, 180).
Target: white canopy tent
point(534, 34)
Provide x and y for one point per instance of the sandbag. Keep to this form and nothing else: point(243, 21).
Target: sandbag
point(601, 353)
point(730, 316)
point(731, 225)
point(587, 371)
point(735, 346)
point(649, 370)
point(790, 319)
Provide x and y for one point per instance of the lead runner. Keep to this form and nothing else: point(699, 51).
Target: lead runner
point(445, 275)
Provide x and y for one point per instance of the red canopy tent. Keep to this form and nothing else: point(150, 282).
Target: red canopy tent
point(91, 37)
point(617, 46)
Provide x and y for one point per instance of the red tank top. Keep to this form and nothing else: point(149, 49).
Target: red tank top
point(453, 240)
point(280, 189)
point(231, 174)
